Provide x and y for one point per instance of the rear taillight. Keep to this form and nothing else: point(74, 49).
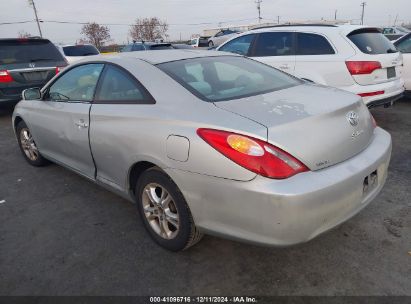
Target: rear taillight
point(253, 154)
point(5, 76)
point(362, 67)
point(58, 70)
point(368, 94)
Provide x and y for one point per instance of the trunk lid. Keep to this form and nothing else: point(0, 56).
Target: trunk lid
point(372, 45)
point(310, 122)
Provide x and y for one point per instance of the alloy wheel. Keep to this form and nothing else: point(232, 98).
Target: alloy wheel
point(160, 211)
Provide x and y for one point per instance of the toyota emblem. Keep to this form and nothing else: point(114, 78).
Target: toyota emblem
point(353, 118)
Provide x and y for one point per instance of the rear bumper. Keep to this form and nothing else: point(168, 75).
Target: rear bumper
point(393, 90)
point(285, 212)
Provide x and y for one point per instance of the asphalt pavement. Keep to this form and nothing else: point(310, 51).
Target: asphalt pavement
point(63, 235)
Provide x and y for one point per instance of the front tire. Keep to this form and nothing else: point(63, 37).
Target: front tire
point(164, 211)
point(210, 44)
point(28, 146)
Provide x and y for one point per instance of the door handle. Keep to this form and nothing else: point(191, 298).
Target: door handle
point(81, 124)
point(284, 66)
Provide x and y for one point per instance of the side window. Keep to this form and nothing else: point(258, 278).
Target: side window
point(77, 84)
point(274, 44)
point(405, 45)
point(312, 44)
point(127, 48)
point(117, 86)
point(240, 45)
point(219, 34)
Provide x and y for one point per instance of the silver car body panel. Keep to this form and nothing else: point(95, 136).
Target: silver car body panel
point(224, 198)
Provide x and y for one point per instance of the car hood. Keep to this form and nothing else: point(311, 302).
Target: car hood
point(310, 122)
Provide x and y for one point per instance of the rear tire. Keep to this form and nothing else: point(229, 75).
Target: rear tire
point(28, 147)
point(164, 211)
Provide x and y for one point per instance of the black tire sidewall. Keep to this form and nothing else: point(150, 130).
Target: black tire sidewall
point(40, 161)
point(185, 219)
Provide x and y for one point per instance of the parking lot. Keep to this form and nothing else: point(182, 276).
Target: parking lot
point(63, 235)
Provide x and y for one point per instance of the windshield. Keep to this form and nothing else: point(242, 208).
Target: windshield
point(24, 51)
point(372, 42)
point(227, 77)
point(80, 50)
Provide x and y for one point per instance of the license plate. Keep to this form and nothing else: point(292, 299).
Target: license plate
point(370, 182)
point(34, 76)
point(391, 72)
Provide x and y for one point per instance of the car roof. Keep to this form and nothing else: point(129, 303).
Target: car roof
point(31, 39)
point(321, 28)
point(162, 56)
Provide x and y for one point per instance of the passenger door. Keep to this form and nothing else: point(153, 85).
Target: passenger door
point(60, 123)
point(275, 49)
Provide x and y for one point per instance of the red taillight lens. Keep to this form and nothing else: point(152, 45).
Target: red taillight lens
point(362, 67)
point(253, 154)
point(58, 70)
point(371, 93)
point(5, 76)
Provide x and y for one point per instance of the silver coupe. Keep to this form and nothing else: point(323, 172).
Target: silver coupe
point(209, 142)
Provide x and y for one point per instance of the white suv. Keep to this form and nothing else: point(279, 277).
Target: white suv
point(354, 58)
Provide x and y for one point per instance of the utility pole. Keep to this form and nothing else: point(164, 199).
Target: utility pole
point(31, 2)
point(363, 4)
point(259, 9)
point(278, 19)
point(335, 14)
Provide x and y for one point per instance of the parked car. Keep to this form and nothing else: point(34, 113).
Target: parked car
point(145, 46)
point(357, 59)
point(395, 32)
point(209, 142)
point(26, 63)
point(76, 52)
point(199, 42)
point(404, 46)
point(221, 36)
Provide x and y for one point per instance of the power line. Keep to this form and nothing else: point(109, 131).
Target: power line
point(122, 24)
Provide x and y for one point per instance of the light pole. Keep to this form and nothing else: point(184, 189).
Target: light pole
point(362, 14)
point(31, 2)
point(259, 9)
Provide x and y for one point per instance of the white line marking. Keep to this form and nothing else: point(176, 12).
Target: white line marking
point(2, 201)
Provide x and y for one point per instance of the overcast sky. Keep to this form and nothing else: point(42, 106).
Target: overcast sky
point(185, 16)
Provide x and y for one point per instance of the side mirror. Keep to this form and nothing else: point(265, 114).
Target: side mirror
point(31, 94)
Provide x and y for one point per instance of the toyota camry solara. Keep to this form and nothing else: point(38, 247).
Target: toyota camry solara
point(209, 142)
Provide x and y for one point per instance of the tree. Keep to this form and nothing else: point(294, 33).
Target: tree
point(96, 34)
point(24, 34)
point(148, 29)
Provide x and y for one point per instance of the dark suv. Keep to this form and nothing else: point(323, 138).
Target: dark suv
point(26, 63)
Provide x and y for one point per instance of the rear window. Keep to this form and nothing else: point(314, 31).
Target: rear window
point(227, 77)
point(372, 41)
point(23, 51)
point(80, 50)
